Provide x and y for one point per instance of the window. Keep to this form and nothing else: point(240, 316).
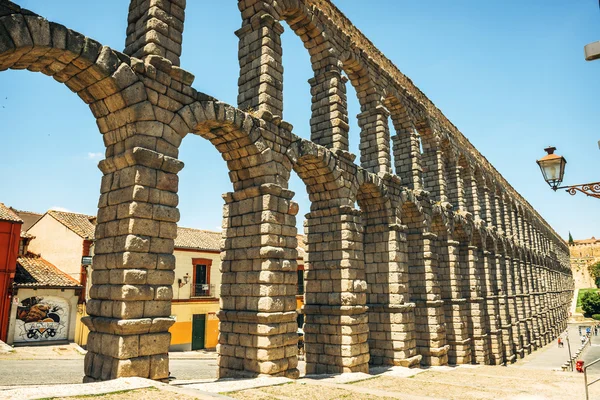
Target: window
point(201, 286)
point(300, 289)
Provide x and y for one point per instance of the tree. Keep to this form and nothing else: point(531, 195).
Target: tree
point(571, 241)
point(595, 272)
point(590, 303)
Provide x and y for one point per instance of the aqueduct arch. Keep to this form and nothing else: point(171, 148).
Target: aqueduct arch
point(415, 274)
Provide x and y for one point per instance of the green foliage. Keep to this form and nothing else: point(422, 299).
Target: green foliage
point(571, 242)
point(595, 270)
point(590, 303)
point(596, 317)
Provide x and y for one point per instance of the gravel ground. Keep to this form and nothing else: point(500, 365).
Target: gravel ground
point(146, 394)
point(294, 391)
point(484, 383)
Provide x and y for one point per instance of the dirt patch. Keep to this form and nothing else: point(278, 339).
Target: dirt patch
point(146, 394)
point(294, 391)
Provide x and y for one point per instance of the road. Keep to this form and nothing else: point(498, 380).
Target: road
point(45, 372)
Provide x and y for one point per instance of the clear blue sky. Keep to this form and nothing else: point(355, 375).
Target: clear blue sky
point(510, 74)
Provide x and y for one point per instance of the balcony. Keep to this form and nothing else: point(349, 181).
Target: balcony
point(203, 290)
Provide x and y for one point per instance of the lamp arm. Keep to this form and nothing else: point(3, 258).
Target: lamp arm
point(589, 189)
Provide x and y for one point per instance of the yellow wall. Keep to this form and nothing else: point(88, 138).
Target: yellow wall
point(57, 244)
point(184, 266)
point(181, 331)
point(81, 331)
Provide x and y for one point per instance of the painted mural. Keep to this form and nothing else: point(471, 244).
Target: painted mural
point(42, 318)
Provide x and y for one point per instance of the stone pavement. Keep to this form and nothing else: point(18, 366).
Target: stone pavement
point(72, 351)
point(552, 357)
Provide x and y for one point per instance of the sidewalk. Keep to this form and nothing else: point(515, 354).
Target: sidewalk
point(552, 357)
point(72, 351)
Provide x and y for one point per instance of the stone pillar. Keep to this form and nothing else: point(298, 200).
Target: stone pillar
point(434, 175)
point(504, 310)
point(155, 28)
point(471, 195)
point(375, 153)
point(407, 157)
point(456, 192)
point(455, 304)
point(507, 213)
point(391, 317)
point(477, 308)
point(258, 328)
point(520, 310)
point(492, 308)
point(526, 313)
point(425, 293)
point(499, 214)
point(488, 214)
point(329, 122)
point(512, 307)
point(261, 69)
point(336, 325)
point(130, 299)
point(530, 305)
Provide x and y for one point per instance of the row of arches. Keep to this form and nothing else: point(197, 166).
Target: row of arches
point(427, 151)
point(396, 273)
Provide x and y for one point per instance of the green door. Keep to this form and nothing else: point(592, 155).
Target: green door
point(198, 330)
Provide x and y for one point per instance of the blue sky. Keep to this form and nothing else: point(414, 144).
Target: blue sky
point(509, 74)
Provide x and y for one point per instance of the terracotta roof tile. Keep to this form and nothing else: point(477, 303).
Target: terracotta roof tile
point(33, 270)
point(188, 238)
point(26, 235)
point(587, 241)
point(81, 224)
point(197, 239)
point(6, 214)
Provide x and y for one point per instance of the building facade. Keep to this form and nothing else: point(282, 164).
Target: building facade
point(10, 233)
point(418, 252)
point(584, 253)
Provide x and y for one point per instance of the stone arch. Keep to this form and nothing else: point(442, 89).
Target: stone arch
point(259, 246)
point(386, 267)
point(469, 186)
point(429, 335)
point(335, 283)
point(240, 140)
point(407, 148)
point(433, 171)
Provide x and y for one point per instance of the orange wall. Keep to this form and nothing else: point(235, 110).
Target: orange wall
point(10, 233)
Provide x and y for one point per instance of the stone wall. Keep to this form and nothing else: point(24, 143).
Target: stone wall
point(439, 262)
point(584, 253)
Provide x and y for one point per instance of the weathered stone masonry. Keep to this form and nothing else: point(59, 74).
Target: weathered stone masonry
point(442, 261)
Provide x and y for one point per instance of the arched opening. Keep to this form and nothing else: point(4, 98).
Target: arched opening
point(479, 318)
point(92, 72)
point(504, 303)
point(335, 319)
point(391, 316)
point(493, 293)
point(257, 316)
point(425, 291)
point(434, 176)
point(407, 146)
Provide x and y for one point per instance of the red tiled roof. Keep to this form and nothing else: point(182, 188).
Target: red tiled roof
point(188, 238)
point(6, 214)
point(33, 270)
point(83, 225)
point(587, 241)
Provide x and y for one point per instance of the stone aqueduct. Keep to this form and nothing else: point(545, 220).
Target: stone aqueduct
point(440, 262)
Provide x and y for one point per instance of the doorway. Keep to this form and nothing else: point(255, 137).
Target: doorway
point(198, 331)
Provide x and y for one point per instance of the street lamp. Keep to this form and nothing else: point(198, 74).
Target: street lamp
point(553, 169)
